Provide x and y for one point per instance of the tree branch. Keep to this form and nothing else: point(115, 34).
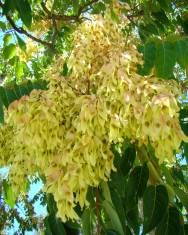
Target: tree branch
point(51, 16)
point(57, 17)
point(84, 6)
point(68, 17)
point(21, 30)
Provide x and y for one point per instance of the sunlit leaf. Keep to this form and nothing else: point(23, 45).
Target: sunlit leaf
point(9, 51)
point(8, 194)
point(21, 43)
point(2, 26)
point(7, 38)
point(110, 210)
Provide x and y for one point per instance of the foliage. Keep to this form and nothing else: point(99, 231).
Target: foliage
point(94, 100)
point(17, 211)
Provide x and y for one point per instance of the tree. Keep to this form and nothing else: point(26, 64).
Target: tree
point(93, 103)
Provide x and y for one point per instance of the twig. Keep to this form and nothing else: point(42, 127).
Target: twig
point(132, 16)
point(84, 6)
point(68, 18)
point(58, 17)
point(23, 31)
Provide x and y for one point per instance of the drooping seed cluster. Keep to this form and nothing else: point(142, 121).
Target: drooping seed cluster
point(65, 133)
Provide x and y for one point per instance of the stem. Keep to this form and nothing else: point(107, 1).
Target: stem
point(97, 212)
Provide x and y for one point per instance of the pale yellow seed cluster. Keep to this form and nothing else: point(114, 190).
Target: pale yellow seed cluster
point(41, 27)
point(31, 51)
point(65, 133)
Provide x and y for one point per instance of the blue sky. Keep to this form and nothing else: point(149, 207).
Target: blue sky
point(39, 209)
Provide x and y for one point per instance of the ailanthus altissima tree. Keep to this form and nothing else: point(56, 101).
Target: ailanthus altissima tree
point(105, 135)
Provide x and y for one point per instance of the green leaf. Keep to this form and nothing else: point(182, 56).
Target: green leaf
point(111, 232)
point(133, 219)
point(161, 17)
point(98, 8)
point(75, 5)
point(8, 194)
point(165, 59)
point(127, 159)
point(21, 43)
point(9, 51)
point(184, 120)
point(117, 182)
point(167, 174)
point(149, 52)
point(171, 223)
point(86, 221)
point(3, 97)
point(11, 95)
point(128, 231)
point(182, 196)
point(106, 191)
point(186, 228)
point(2, 26)
point(19, 69)
point(163, 55)
point(178, 175)
point(164, 3)
point(25, 12)
point(65, 69)
point(72, 225)
point(1, 112)
point(136, 185)
point(182, 52)
point(118, 204)
point(185, 151)
point(7, 38)
point(110, 210)
point(155, 206)
point(8, 6)
point(53, 225)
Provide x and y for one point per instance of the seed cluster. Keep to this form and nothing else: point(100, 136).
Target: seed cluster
point(66, 132)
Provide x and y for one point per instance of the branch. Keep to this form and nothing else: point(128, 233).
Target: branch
point(50, 15)
point(68, 18)
point(84, 7)
point(140, 13)
point(23, 31)
point(57, 17)
point(132, 16)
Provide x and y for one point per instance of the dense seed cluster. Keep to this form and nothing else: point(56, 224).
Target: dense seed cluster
point(65, 133)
